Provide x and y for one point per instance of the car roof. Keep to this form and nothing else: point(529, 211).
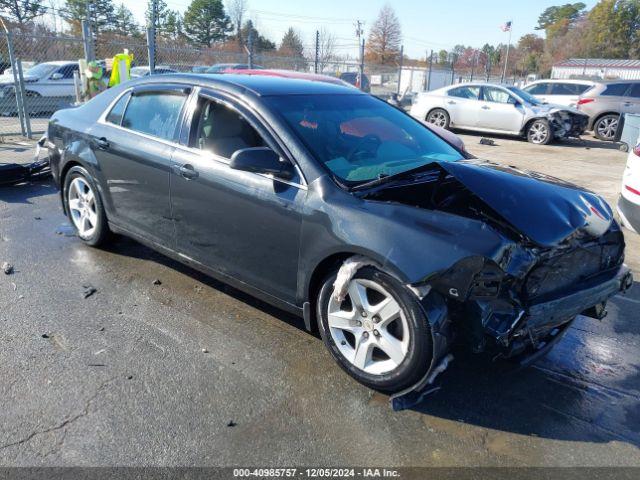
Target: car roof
point(576, 81)
point(59, 62)
point(260, 85)
point(291, 74)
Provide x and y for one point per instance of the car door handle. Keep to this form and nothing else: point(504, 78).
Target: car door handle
point(186, 171)
point(102, 143)
point(451, 102)
point(628, 104)
point(486, 108)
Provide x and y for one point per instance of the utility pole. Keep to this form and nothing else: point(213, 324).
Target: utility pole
point(400, 67)
point(506, 60)
point(151, 37)
point(250, 49)
point(360, 35)
point(430, 70)
point(317, 61)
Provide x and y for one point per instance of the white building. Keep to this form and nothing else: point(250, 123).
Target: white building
point(598, 68)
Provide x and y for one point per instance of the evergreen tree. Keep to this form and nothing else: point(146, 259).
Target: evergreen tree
point(205, 22)
point(123, 22)
point(22, 12)
point(99, 12)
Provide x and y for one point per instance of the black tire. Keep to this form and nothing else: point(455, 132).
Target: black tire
point(539, 132)
point(439, 118)
point(419, 353)
point(606, 127)
point(101, 233)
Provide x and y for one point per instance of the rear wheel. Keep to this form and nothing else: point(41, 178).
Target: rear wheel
point(439, 118)
point(84, 206)
point(606, 127)
point(378, 334)
point(539, 133)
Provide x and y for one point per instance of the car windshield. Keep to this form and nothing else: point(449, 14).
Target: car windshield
point(41, 70)
point(359, 138)
point(527, 97)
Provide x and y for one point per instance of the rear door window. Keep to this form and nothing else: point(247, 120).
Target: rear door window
point(538, 89)
point(635, 91)
point(155, 113)
point(565, 89)
point(116, 113)
point(616, 90)
point(470, 93)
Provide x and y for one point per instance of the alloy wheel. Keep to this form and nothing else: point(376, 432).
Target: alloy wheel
point(607, 127)
point(439, 119)
point(369, 328)
point(82, 207)
point(539, 132)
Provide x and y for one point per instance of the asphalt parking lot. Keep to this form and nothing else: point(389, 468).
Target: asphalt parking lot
point(164, 366)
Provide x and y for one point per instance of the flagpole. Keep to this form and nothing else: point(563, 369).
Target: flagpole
point(506, 59)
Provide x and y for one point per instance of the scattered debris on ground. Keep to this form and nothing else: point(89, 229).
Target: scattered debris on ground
point(487, 141)
point(157, 282)
point(204, 350)
point(45, 335)
point(7, 268)
point(231, 423)
point(14, 173)
point(88, 290)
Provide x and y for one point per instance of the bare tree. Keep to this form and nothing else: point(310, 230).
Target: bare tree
point(385, 37)
point(326, 48)
point(237, 10)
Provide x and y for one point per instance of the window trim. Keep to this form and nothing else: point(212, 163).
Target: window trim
point(253, 118)
point(188, 91)
point(504, 90)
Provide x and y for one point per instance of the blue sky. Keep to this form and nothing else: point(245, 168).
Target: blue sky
point(426, 24)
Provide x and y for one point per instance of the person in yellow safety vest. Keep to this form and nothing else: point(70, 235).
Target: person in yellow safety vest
point(120, 72)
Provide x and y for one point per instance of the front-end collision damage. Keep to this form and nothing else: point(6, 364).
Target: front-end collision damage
point(562, 254)
point(567, 123)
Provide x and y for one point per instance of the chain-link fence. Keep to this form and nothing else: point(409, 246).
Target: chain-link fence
point(41, 73)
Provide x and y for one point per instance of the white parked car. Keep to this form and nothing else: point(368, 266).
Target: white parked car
point(559, 92)
point(48, 79)
point(629, 202)
point(498, 109)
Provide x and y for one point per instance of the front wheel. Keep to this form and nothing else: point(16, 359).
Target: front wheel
point(539, 133)
point(378, 334)
point(439, 118)
point(84, 207)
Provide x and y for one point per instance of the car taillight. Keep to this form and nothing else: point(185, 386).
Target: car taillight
point(584, 101)
point(632, 190)
point(636, 150)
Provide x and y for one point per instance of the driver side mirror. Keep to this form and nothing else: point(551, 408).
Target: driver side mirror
point(57, 76)
point(261, 160)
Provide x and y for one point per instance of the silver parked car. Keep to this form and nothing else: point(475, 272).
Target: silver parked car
point(606, 102)
point(498, 109)
point(559, 92)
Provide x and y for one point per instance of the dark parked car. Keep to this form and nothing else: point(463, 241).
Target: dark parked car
point(336, 206)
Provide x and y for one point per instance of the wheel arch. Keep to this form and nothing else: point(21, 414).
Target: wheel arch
point(530, 122)
point(436, 108)
point(603, 114)
point(329, 264)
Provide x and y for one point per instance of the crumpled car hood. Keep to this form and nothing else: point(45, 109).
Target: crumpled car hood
point(545, 209)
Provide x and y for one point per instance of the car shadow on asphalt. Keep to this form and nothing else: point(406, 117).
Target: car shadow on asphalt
point(544, 400)
point(549, 399)
point(24, 192)
point(585, 141)
point(127, 247)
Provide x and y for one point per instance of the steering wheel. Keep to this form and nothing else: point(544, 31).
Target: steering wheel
point(367, 144)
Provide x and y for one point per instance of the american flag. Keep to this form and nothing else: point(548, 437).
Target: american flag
point(506, 27)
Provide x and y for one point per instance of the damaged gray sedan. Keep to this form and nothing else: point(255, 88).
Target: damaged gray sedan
point(499, 109)
point(334, 205)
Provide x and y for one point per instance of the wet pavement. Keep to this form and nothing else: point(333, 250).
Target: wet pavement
point(188, 371)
